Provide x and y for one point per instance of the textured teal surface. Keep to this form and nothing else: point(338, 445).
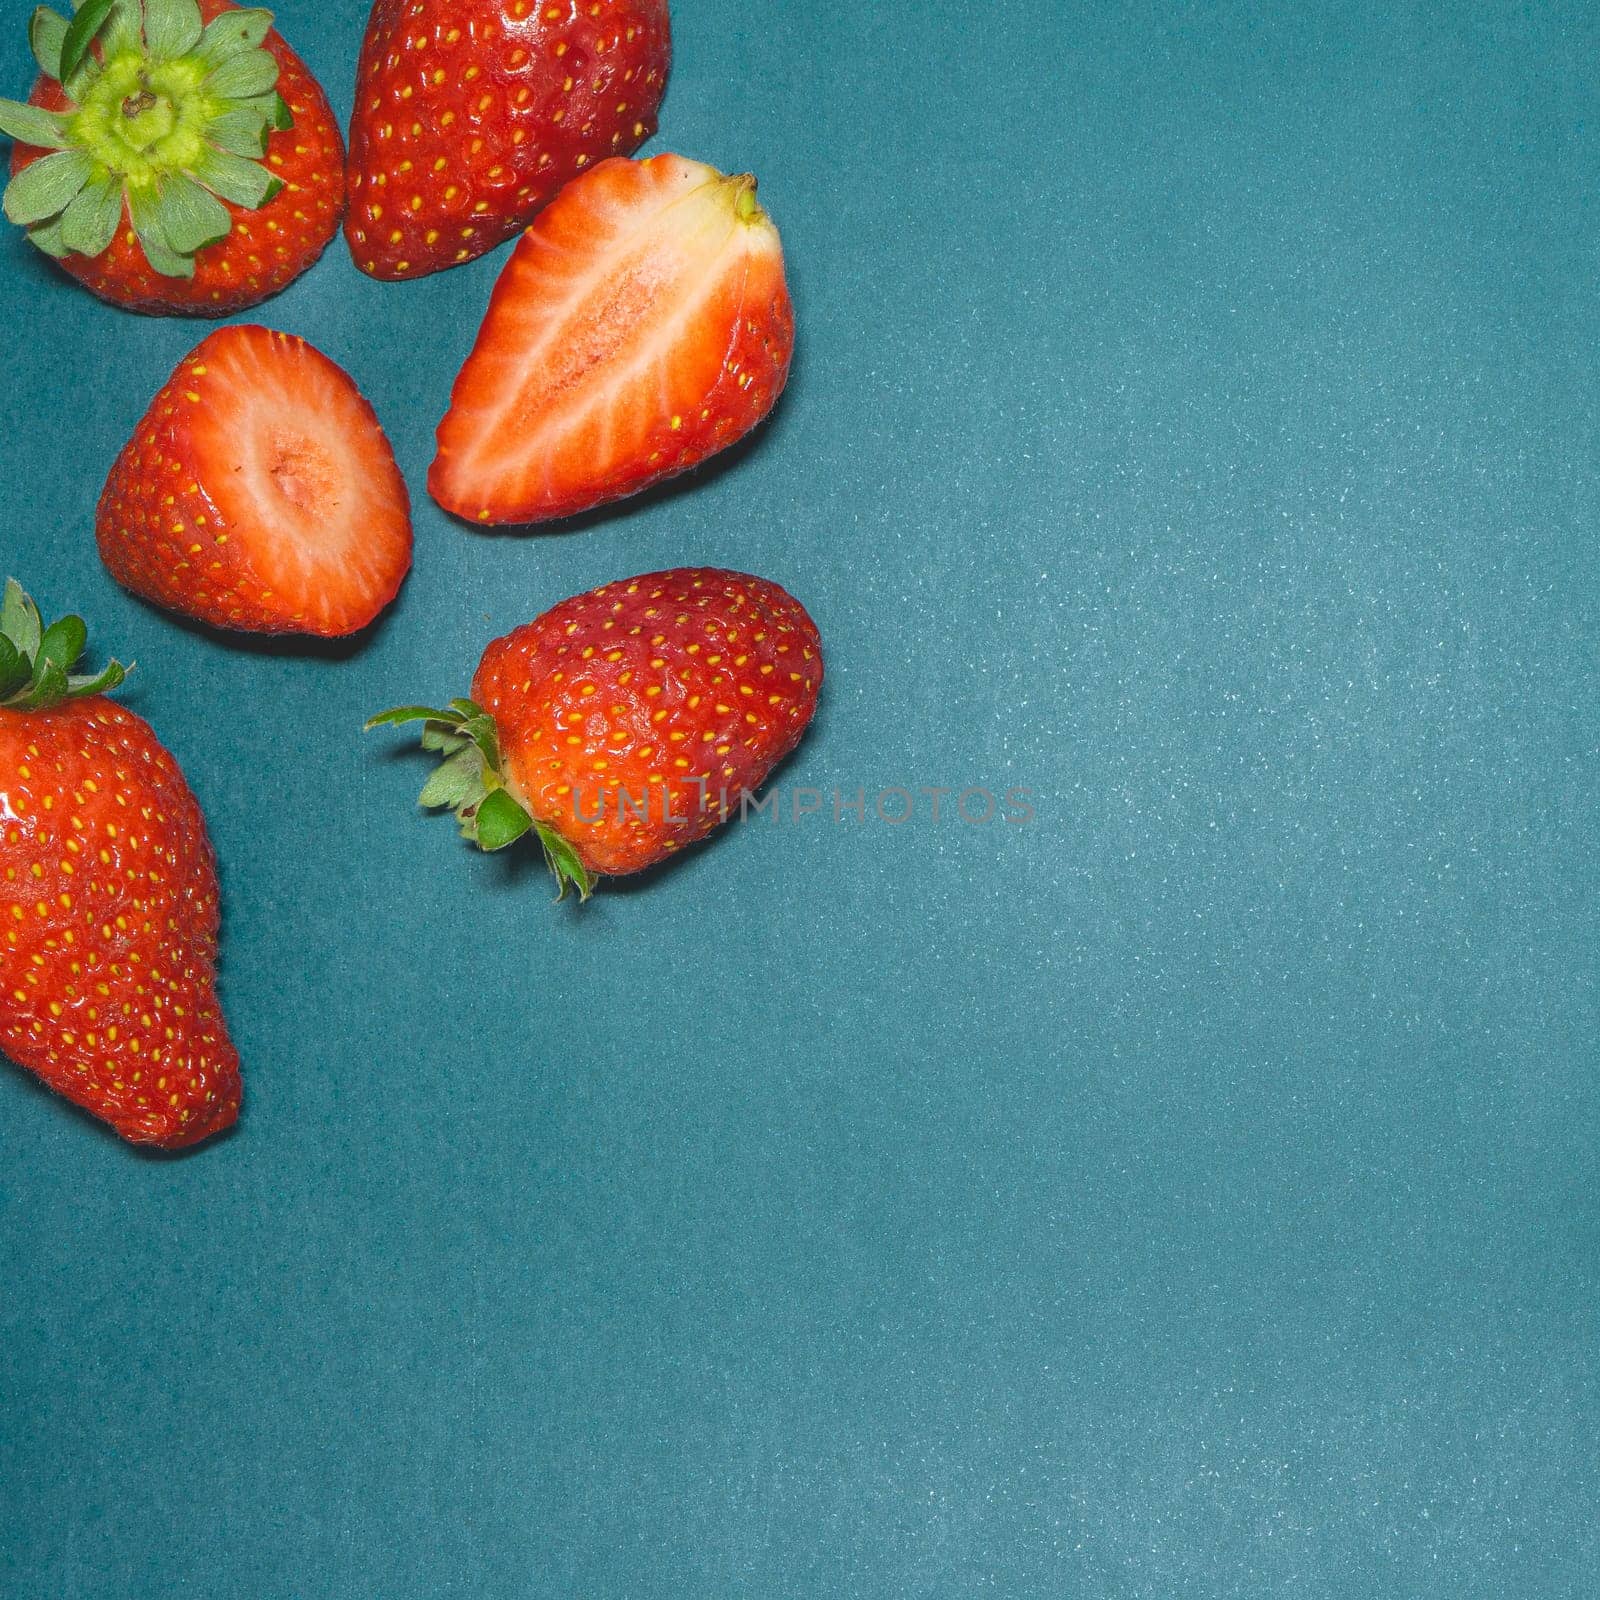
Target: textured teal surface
point(1193, 1192)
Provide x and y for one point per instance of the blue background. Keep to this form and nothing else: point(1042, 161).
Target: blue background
point(1193, 1192)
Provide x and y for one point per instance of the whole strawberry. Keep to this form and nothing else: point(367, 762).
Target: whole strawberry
point(258, 492)
point(627, 722)
point(470, 114)
point(108, 900)
point(173, 156)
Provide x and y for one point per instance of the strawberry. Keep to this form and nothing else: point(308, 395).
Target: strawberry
point(626, 722)
point(108, 900)
point(642, 323)
point(470, 114)
point(173, 156)
point(259, 493)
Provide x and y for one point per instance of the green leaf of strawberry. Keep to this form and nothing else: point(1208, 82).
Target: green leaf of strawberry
point(148, 221)
point(500, 821)
point(403, 714)
point(46, 688)
point(19, 621)
point(190, 217)
point(109, 677)
point(456, 782)
point(80, 34)
point(469, 783)
point(63, 641)
point(13, 669)
point(36, 662)
point(240, 133)
point(241, 182)
point(563, 860)
point(33, 125)
point(156, 109)
point(47, 187)
point(90, 220)
point(251, 72)
point(172, 28)
point(231, 33)
point(47, 36)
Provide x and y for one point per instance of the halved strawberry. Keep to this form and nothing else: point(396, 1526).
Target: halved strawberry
point(642, 323)
point(259, 493)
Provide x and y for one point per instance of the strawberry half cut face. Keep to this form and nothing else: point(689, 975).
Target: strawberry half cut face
point(642, 324)
point(259, 493)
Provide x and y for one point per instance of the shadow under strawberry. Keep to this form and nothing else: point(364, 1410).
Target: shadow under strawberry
point(48, 1103)
point(276, 646)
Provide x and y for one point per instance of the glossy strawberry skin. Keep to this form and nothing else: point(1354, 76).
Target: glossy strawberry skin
point(679, 689)
point(108, 925)
point(169, 524)
point(268, 248)
point(470, 116)
point(537, 428)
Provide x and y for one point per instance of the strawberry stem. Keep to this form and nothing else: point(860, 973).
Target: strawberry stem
point(745, 205)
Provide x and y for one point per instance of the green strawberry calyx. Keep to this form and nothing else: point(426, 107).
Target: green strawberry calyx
point(36, 661)
point(468, 780)
point(166, 120)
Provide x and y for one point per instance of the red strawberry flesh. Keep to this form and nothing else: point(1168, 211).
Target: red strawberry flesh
point(641, 324)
